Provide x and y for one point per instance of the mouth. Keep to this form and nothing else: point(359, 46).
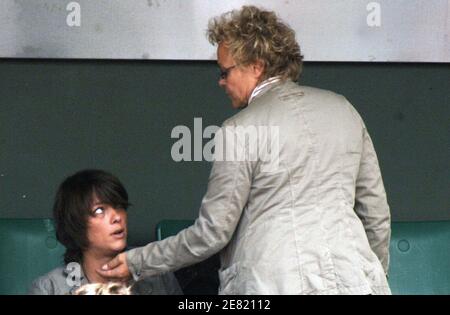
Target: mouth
point(119, 233)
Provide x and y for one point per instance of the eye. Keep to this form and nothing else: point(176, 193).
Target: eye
point(98, 210)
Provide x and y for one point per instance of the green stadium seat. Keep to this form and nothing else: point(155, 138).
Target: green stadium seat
point(28, 249)
point(167, 228)
point(420, 255)
point(197, 279)
point(420, 258)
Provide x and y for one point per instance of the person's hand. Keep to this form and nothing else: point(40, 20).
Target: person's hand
point(116, 269)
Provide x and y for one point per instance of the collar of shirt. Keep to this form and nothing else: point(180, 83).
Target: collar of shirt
point(263, 86)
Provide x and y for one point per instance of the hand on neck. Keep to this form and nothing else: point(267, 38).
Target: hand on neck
point(93, 261)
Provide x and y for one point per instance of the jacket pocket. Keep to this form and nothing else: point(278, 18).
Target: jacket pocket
point(227, 278)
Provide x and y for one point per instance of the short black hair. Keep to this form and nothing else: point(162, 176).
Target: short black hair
point(73, 204)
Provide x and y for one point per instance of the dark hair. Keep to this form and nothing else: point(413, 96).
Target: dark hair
point(73, 204)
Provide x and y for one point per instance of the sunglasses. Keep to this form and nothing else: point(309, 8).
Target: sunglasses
point(224, 72)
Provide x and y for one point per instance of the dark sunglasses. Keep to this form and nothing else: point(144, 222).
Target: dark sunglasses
point(224, 72)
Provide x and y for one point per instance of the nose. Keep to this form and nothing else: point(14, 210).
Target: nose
point(115, 216)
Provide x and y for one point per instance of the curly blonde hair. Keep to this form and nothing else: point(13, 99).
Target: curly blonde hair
point(254, 34)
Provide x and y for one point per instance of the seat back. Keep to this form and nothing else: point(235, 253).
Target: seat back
point(28, 249)
point(420, 258)
point(198, 279)
point(419, 255)
point(167, 228)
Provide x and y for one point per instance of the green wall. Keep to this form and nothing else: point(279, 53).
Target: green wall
point(60, 116)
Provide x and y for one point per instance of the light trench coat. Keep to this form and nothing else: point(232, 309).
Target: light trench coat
point(315, 222)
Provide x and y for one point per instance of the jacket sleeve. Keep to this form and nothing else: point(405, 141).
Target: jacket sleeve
point(371, 203)
point(220, 211)
point(41, 286)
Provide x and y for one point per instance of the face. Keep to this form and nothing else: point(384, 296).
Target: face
point(240, 80)
point(107, 229)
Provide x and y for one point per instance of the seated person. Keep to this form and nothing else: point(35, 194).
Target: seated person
point(91, 222)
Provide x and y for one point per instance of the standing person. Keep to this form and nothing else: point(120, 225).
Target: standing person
point(319, 222)
point(91, 222)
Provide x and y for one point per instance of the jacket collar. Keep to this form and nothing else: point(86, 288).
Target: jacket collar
point(263, 87)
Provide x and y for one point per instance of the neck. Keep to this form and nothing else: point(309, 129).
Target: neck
point(261, 85)
point(94, 261)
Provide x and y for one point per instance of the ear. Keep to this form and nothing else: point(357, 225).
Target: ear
point(258, 68)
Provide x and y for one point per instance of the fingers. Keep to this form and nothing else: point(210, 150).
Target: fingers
point(112, 264)
point(118, 274)
point(113, 274)
point(116, 269)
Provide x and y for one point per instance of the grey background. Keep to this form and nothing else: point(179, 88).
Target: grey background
point(60, 116)
point(329, 30)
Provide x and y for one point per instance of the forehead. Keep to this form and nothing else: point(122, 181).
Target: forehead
point(103, 196)
point(98, 201)
point(224, 58)
point(95, 200)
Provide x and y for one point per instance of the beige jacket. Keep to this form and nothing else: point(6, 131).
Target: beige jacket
point(317, 223)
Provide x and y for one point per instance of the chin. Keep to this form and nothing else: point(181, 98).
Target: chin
point(120, 247)
point(237, 105)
